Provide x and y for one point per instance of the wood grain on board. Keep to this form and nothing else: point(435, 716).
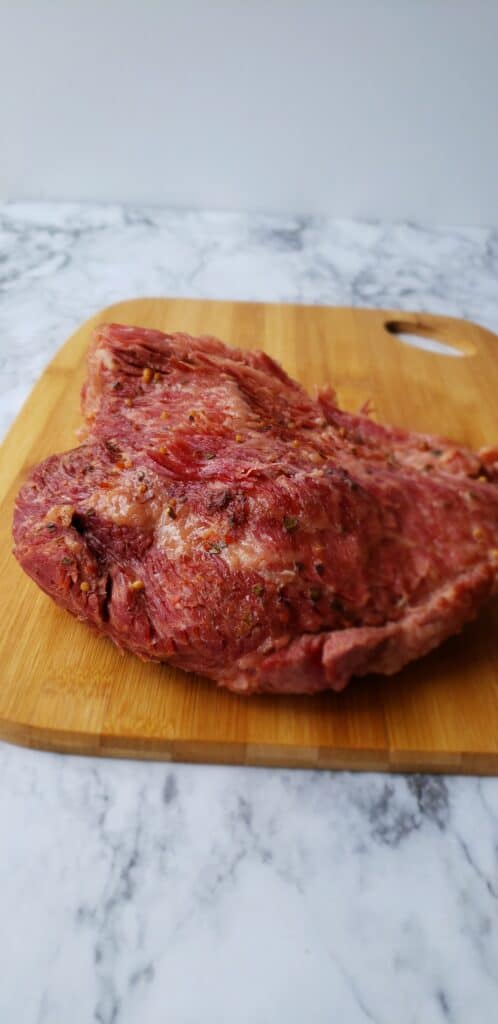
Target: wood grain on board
point(64, 688)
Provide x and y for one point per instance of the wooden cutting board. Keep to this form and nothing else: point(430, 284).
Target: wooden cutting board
point(65, 689)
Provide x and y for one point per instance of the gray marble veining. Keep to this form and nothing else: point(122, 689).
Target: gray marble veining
point(156, 893)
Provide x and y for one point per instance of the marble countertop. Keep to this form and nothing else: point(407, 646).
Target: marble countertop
point(137, 893)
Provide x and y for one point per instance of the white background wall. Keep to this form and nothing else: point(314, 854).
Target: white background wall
point(376, 108)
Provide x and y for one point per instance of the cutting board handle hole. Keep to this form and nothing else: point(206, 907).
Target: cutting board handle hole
point(428, 337)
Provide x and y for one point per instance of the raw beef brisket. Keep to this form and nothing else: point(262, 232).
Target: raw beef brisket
point(218, 518)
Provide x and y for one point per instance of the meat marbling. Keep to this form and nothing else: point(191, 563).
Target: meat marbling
point(218, 518)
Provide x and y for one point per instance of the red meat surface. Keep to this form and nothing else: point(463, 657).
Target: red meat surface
point(218, 518)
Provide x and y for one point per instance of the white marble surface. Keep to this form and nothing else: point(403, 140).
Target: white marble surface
point(145, 893)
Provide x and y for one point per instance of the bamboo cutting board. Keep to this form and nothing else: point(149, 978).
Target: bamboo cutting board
point(62, 688)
